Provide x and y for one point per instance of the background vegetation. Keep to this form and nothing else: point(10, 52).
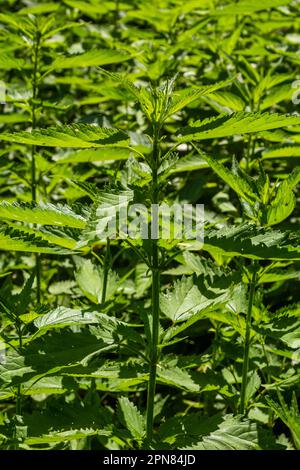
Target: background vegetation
point(119, 344)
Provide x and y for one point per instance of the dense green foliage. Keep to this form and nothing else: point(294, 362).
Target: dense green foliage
point(122, 343)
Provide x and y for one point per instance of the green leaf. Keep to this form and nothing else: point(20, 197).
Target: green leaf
point(233, 434)
point(50, 354)
point(39, 9)
point(13, 118)
point(217, 288)
point(197, 432)
point(228, 100)
point(46, 385)
point(76, 135)
point(289, 415)
point(18, 23)
point(50, 235)
point(236, 179)
point(62, 317)
point(248, 7)
point(282, 205)
point(8, 62)
point(253, 242)
point(293, 178)
point(55, 425)
point(188, 298)
point(16, 240)
point(95, 155)
point(284, 327)
point(284, 202)
point(282, 273)
point(91, 58)
point(92, 9)
point(42, 214)
point(183, 98)
point(116, 376)
point(17, 304)
point(188, 163)
point(161, 103)
point(103, 219)
point(90, 279)
point(281, 93)
point(191, 381)
point(142, 280)
point(235, 124)
point(282, 152)
point(253, 385)
point(184, 300)
point(63, 351)
point(131, 418)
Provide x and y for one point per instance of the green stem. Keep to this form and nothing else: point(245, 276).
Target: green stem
point(248, 154)
point(19, 391)
point(38, 277)
point(19, 386)
point(106, 268)
point(153, 349)
point(247, 341)
point(155, 269)
point(33, 151)
point(106, 263)
point(33, 111)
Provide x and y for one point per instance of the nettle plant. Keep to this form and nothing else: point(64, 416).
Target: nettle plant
point(31, 95)
point(114, 356)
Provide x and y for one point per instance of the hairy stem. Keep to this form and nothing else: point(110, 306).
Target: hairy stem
point(153, 356)
point(247, 341)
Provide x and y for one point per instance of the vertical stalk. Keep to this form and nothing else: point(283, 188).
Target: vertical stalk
point(19, 386)
point(247, 340)
point(33, 151)
point(33, 111)
point(249, 154)
point(153, 347)
point(19, 394)
point(106, 267)
point(155, 296)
